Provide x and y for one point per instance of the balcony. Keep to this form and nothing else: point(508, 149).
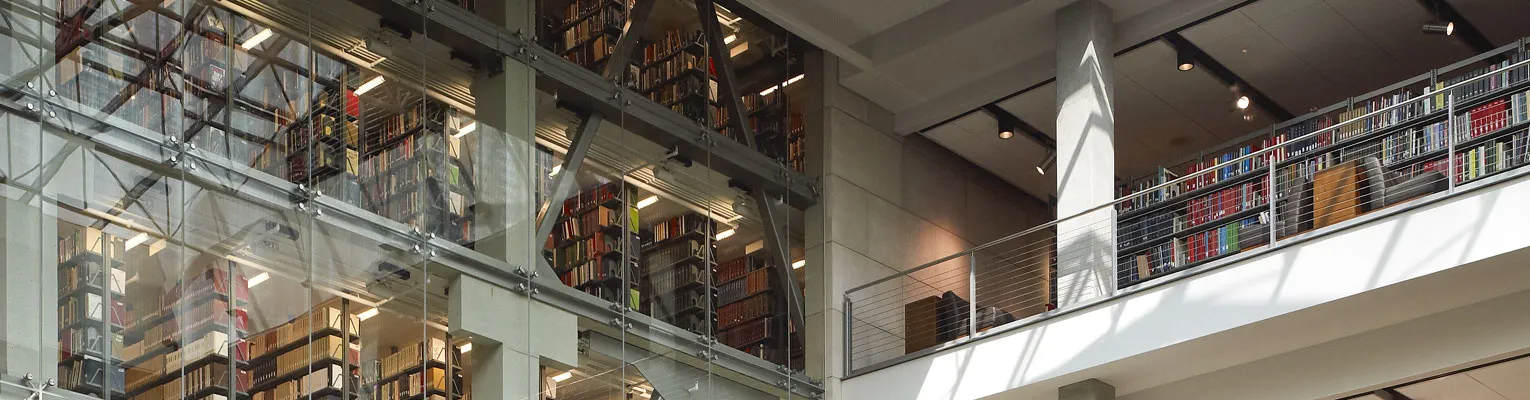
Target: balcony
point(1408, 207)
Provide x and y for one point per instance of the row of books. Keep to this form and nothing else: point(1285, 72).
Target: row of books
point(391, 127)
point(597, 267)
point(692, 89)
point(681, 225)
point(1492, 157)
point(588, 223)
point(588, 199)
point(321, 319)
point(744, 310)
point(303, 357)
point(748, 333)
point(1219, 241)
point(1410, 109)
point(91, 275)
point(674, 253)
point(211, 344)
point(1142, 196)
point(90, 308)
point(1149, 262)
point(754, 283)
point(326, 130)
point(577, 9)
point(90, 241)
point(88, 340)
point(213, 314)
point(321, 162)
point(732, 269)
point(668, 69)
point(673, 43)
point(1498, 77)
point(1403, 146)
point(431, 383)
point(411, 357)
point(1138, 230)
point(576, 252)
point(213, 279)
point(592, 39)
point(668, 280)
point(1232, 200)
point(89, 375)
point(212, 378)
point(329, 377)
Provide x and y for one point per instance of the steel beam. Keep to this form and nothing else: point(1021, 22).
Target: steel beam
point(727, 82)
point(563, 184)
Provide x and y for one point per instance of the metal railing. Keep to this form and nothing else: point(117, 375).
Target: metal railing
point(1410, 146)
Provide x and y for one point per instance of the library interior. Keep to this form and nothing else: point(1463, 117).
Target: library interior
point(746, 199)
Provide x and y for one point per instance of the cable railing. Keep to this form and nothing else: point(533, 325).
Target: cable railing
point(1385, 150)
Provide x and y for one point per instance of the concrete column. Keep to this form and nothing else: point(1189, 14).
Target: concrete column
point(508, 348)
point(1092, 389)
point(28, 282)
point(503, 146)
point(1085, 151)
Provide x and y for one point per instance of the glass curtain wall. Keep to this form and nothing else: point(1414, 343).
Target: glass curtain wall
point(247, 200)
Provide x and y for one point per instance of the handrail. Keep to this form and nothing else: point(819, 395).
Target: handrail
point(1179, 180)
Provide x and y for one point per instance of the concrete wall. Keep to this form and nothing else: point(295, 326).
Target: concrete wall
point(889, 203)
point(1448, 254)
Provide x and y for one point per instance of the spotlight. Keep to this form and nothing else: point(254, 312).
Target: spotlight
point(1186, 61)
point(1006, 130)
point(1440, 28)
point(1046, 163)
point(1242, 102)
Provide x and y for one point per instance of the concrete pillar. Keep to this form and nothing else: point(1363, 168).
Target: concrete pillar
point(1085, 151)
point(508, 348)
point(1092, 389)
point(503, 147)
point(29, 324)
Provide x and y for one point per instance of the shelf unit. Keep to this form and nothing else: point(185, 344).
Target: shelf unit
point(595, 246)
point(1166, 230)
point(750, 314)
point(678, 271)
point(316, 354)
point(676, 74)
point(427, 370)
point(91, 290)
point(192, 342)
point(587, 32)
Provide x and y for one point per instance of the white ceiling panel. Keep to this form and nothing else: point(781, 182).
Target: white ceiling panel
point(1328, 42)
point(1510, 379)
point(1502, 21)
point(1450, 387)
point(1037, 107)
point(1196, 94)
point(1394, 26)
point(1267, 64)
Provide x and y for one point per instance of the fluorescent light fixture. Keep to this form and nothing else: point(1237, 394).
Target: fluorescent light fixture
point(369, 313)
point(730, 39)
point(137, 240)
point(647, 201)
point(1242, 102)
point(255, 40)
point(793, 80)
point(466, 347)
point(563, 376)
point(767, 92)
point(556, 169)
point(372, 84)
point(799, 264)
point(725, 234)
point(772, 89)
point(466, 129)
point(155, 247)
point(257, 279)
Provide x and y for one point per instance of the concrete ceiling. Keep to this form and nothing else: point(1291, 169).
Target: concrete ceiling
point(1502, 381)
point(930, 61)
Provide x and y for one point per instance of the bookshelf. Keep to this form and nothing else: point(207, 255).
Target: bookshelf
point(316, 354)
point(679, 269)
point(675, 73)
point(411, 171)
point(91, 313)
point(586, 31)
point(1208, 217)
point(429, 370)
point(749, 311)
point(191, 342)
point(595, 245)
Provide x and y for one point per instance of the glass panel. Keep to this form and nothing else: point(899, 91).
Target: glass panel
point(27, 210)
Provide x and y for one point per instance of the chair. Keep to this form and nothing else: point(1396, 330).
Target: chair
point(1383, 189)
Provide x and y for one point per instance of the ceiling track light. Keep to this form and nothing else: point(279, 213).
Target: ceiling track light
point(1440, 28)
point(1185, 59)
point(1046, 163)
point(1242, 102)
point(1006, 129)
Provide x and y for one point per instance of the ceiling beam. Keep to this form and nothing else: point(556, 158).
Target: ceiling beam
point(1222, 73)
point(1465, 31)
point(1036, 135)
